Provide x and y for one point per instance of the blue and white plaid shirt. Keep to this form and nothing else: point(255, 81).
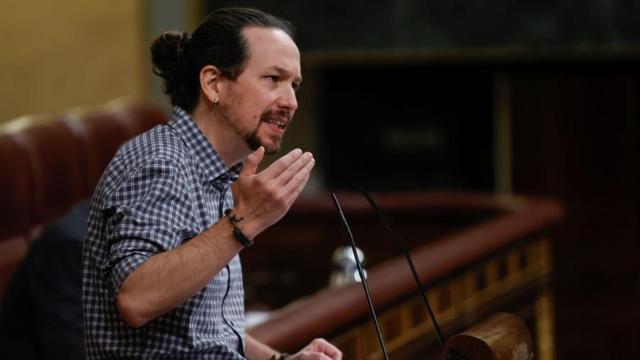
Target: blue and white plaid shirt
point(160, 190)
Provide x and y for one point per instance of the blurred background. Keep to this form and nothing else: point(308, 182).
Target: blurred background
point(529, 97)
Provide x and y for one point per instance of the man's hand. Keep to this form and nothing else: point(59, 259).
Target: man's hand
point(318, 349)
point(263, 198)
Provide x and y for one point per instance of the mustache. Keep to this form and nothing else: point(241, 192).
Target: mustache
point(277, 115)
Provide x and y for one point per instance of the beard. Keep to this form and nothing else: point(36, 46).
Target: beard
point(253, 140)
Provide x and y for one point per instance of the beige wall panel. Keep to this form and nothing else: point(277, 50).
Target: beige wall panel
point(65, 53)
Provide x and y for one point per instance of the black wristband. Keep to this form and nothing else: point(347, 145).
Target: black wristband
point(237, 233)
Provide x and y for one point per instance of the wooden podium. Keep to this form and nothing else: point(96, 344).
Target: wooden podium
point(501, 337)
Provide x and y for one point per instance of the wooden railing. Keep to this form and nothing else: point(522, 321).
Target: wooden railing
point(499, 263)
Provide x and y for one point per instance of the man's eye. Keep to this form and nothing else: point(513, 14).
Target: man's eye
point(274, 78)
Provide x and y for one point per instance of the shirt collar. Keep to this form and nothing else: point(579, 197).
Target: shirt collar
point(211, 165)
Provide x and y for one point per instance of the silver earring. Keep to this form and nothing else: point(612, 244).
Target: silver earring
point(215, 100)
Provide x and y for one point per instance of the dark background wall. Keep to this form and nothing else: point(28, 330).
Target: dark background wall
point(339, 24)
point(408, 94)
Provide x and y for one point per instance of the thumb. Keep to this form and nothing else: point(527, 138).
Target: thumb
point(252, 161)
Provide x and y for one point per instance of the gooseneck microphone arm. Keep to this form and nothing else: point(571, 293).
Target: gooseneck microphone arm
point(387, 223)
point(343, 220)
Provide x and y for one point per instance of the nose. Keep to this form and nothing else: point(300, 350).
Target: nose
point(287, 99)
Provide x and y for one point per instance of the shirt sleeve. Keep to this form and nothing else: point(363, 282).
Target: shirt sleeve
point(145, 216)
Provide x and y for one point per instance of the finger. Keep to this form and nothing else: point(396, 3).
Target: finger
point(281, 164)
point(252, 161)
point(310, 355)
point(333, 352)
point(318, 356)
point(292, 170)
point(298, 182)
point(323, 346)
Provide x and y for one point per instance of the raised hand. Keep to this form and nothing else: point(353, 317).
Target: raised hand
point(263, 198)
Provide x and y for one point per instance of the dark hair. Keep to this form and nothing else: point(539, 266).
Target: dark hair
point(178, 57)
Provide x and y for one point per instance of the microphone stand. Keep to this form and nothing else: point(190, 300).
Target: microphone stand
point(361, 272)
point(387, 223)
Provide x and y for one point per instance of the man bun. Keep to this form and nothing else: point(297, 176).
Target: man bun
point(166, 53)
point(179, 57)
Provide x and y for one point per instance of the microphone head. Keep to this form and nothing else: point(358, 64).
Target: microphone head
point(343, 257)
point(345, 267)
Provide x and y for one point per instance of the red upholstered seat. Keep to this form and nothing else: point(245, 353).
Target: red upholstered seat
point(144, 116)
point(58, 164)
point(47, 165)
point(139, 116)
point(16, 184)
point(101, 133)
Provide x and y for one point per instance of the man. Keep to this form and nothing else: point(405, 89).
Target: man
point(161, 272)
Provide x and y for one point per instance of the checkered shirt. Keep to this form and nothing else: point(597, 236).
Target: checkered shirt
point(160, 190)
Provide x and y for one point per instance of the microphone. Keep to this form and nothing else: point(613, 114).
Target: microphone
point(387, 223)
point(343, 220)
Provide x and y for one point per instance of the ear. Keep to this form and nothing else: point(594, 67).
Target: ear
point(210, 77)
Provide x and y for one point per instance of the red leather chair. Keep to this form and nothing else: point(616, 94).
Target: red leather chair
point(16, 183)
point(47, 165)
point(100, 132)
point(58, 164)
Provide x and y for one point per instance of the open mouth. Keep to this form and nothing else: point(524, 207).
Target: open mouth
point(281, 124)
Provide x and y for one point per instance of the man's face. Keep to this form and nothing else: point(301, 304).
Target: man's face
point(261, 102)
